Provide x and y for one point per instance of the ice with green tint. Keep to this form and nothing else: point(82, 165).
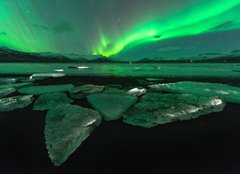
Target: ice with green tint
point(154, 109)
point(39, 90)
point(7, 80)
point(7, 91)
point(227, 92)
point(16, 102)
point(67, 126)
point(46, 75)
point(51, 100)
point(16, 85)
point(111, 106)
point(84, 90)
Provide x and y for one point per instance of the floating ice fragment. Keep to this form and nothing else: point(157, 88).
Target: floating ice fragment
point(84, 90)
point(17, 102)
point(16, 85)
point(38, 90)
point(113, 90)
point(155, 109)
point(58, 70)
point(51, 100)
point(66, 127)
point(46, 75)
point(227, 92)
point(83, 67)
point(7, 91)
point(7, 80)
point(137, 92)
point(111, 106)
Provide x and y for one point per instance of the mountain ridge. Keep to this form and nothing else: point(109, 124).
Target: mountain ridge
point(9, 55)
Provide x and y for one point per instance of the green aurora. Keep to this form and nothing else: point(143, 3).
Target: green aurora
point(43, 26)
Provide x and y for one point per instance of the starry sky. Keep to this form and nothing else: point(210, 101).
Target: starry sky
point(128, 29)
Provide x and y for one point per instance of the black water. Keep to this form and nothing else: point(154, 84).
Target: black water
point(209, 144)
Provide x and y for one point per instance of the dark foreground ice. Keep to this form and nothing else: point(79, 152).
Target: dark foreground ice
point(67, 126)
point(154, 109)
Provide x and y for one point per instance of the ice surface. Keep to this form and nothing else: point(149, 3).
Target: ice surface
point(38, 90)
point(84, 90)
point(46, 75)
point(154, 109)
point(227, 92)
point(7, 81)
point(137, 92)
point(113, 90)
point(111, 106)
point(67, 126)
point(17, 102)
point(15, 85)
point(7, 91)
point(51, 100)
point(58, 70)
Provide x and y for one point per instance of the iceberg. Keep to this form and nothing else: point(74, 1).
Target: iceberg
point(39, 90)
point(51, 100)
point(228, 93)
point(7, 91)
point(66, 127)
point(111, 106)
point(154, 109)
point(17, 102)
point(84, 90)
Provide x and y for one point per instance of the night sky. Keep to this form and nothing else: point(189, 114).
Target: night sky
point(131, 29)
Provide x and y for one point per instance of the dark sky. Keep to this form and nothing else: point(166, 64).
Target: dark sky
point(121, 28)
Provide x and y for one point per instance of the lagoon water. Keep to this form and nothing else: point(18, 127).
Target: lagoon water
point(207, 144)
point(175, 70)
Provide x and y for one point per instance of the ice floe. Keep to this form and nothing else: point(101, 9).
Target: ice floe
point(227, 92)
point(6, 91)
point(111, 106)
point(84, 90)
point(51, 100)
point(66, 127)
point(16, 102)
point(154, 109)
point(38, 90)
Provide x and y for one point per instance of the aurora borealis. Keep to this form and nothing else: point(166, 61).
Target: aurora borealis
point(121, 28)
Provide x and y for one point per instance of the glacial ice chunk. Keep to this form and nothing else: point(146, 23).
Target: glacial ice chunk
point(58, 70)
point(38, 90)
point(15, 85)
point(51, 100)
point(83, 67)
point(46, 75)
point(84, 90)
point(4, 81)
point(137, 92)
point(154, 109)
point(66, 127)
point(113, 90)
point(17, 102)
point(7, 91)
point(227, 92)
point(111, 106)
